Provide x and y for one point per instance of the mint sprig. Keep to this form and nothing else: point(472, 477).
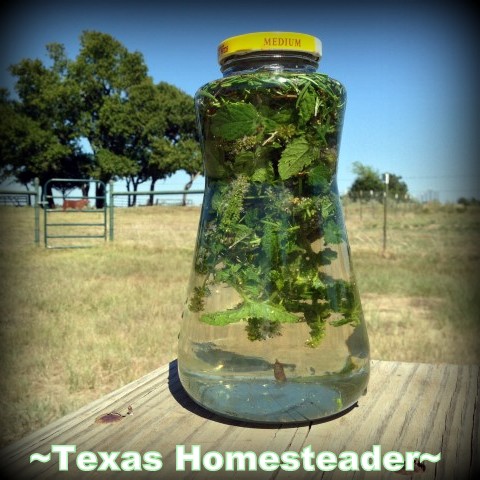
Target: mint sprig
point(297, 155)
point(272, 216)
point(235, 120)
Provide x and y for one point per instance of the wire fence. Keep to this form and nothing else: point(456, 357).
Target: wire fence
point(372, 207)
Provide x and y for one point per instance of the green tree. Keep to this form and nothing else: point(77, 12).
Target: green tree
point(191, 161)
point(133, 126)
point(106, 73)
point(39, 134)
point(160, 123)
point(370, 182)
point(181, 133)
point(472, 201)
point(397, 188)
point(99, 116)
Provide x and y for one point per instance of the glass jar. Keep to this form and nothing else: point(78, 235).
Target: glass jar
point(272, 329)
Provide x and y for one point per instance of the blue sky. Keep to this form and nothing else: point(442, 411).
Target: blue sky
point(410, 69)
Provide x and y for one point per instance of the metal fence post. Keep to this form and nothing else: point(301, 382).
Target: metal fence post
point(36, 210)
point(385, 204)
point(111, 208)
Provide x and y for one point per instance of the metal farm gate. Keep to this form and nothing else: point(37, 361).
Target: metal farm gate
point(76, 223)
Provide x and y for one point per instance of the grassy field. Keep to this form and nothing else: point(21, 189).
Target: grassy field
point(76, 324)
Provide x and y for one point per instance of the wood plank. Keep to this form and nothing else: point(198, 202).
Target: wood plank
point(408, 407)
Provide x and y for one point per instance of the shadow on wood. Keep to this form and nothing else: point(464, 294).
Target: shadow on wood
point(182, 397)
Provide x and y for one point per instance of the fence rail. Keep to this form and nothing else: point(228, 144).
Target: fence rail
point(63, 232)
point(22, 197)
point(113, 194)
point(105, 227)
point(16, 199)
point(18, 195)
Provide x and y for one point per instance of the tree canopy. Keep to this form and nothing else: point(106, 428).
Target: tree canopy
point(98, 116)
point(370, 183)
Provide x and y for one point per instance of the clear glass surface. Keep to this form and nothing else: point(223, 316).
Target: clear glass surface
point(272, 329)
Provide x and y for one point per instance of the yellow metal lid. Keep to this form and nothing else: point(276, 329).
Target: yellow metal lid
point(251, 42)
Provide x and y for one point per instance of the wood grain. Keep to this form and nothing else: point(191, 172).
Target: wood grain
point(408, 407)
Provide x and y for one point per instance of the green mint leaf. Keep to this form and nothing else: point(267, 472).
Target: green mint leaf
point(248, 310)
point(270, 151)
point(327, 256)
point(327, 207)
point(214, 164)
point(197, 301)
point(332, 233)
point(320, 176)
point(244, 163)
point(235, 120)
point(296, 156)
point(272, 118)
point(263, 165)
point(262, 329)
point(351, 310)
point(306, 103)
point(228, 202)
point(263, 174)
point(317, 332)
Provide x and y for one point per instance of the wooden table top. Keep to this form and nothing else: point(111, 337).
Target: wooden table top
point(409, 407)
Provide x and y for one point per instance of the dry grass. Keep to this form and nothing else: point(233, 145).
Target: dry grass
point(76, 324)
point(422, 298)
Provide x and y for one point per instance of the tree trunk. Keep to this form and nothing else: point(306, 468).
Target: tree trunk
point(188, 186)
point(100, 192)
point(85, 188)
point(152, 189)
point(48, 194)
point(133, 201)
point(128, 181)
point(29, 197)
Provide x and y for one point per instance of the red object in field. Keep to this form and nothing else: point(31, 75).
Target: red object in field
point(75, 204)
